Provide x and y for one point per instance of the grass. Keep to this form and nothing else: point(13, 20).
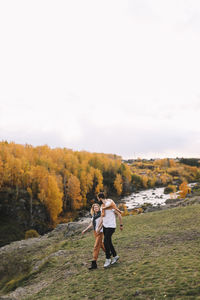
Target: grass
point(159, 259)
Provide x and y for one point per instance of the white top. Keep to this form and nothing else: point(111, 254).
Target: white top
point(109, 220)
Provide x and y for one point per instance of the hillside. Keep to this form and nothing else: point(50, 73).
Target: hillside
point(41, 187)
point(159, 259)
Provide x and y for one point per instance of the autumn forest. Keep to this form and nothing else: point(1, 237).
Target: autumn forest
point(67, 181)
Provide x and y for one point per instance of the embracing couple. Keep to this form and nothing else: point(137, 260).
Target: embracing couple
point(104, 224)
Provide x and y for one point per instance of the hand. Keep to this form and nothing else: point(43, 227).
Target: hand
point(121, 227)
point(83, 232)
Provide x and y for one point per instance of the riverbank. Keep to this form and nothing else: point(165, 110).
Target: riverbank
point(172, 203)
point(155, 199)
point(154, 196)
point(159, 259)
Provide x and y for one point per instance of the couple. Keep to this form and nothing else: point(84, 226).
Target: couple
point(104, 223)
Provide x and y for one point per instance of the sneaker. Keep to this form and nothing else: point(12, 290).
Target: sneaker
point(114, 260)
point(107, 262)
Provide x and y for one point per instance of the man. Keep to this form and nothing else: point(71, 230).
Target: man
point(108, 220)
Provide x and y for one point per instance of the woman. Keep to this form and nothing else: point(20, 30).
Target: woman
point(96, 216)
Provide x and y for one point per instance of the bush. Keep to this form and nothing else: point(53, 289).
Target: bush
point(170, 189)
point(31, 234)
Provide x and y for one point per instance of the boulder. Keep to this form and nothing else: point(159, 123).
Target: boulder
point(69, 229)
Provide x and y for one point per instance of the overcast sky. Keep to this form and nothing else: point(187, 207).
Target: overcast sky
point(107, 76)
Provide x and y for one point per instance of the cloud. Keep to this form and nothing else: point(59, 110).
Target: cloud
point(139, 129)
point(135, 142)
point(110, 76)
point(33, 137)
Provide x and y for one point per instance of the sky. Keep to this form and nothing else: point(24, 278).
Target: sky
point(111, 76)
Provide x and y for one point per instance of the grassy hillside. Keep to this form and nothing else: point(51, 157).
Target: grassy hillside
point(159, 259)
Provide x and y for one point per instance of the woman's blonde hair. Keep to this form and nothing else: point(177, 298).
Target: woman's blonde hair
point(92, 208)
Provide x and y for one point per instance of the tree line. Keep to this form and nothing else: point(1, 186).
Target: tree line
point(66, 181)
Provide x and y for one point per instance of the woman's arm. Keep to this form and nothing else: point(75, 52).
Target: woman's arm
point(89, 226)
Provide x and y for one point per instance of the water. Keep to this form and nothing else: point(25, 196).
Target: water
point(154, 196)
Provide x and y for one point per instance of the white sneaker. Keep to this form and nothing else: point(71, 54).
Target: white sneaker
point(107, 262)
point(114, 260)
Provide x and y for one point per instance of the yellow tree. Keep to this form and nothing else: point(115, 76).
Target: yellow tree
point(36, 178)
point(71, 162)
point(118, 183)
point(152, 181)
point(184, 189)
point(172, 163)
point(99, 179)
point(1, 173)
point(84, 186)
point(90, 181)
point(144, 181)
point(74, 192)
point(51, 196)
point(126, 173)
point(164, 178)
point(13, 171)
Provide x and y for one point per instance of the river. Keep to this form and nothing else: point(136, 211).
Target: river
point(154, 196)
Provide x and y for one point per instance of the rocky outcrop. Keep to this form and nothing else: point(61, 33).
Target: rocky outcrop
point(25, 256)
point(68, 229)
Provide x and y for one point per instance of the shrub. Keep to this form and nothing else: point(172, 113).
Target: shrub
point(136, 211)
point(170, 189)
point(184, 189)
point(124, 209)
point(31, 234)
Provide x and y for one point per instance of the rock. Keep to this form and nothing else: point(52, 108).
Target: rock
point(22, 201)
point(137, 293)
point(6, 298)
point(172, 201)
point(58, 253)
point(40, 263)
point(152, 209)
point(60, 228)
point(68, 229)
point(73, 227)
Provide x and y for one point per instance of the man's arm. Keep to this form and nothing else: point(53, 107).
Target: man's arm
point(111, 203)
point(107, 204)
point(120, 219)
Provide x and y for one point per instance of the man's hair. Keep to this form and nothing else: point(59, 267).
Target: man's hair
point(101, 195)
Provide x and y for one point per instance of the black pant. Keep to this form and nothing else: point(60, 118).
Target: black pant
point(108, 242)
